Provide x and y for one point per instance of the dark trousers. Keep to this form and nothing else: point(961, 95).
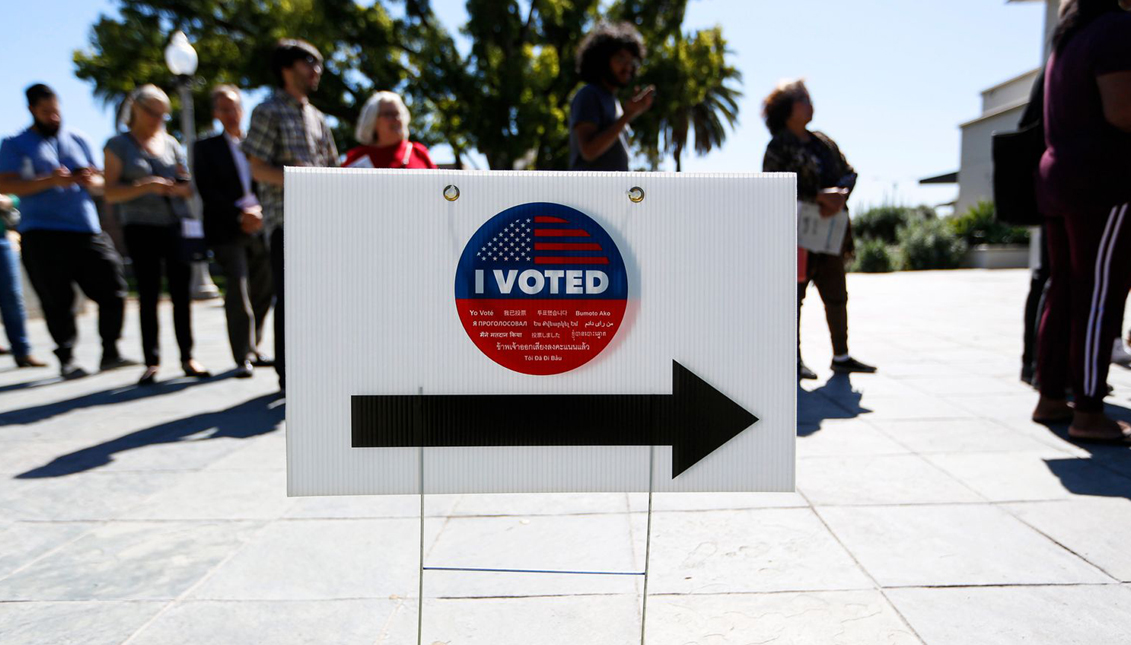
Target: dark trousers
point(1090, 253)
point(58, 260)
point(280, 301)
point(155, 250)
point(1035, 308)
point(827, 272)
point(247, 272)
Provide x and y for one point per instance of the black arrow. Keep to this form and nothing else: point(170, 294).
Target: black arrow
point(694, 420)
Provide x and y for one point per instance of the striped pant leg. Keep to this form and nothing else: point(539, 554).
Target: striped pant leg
point(1100, 243)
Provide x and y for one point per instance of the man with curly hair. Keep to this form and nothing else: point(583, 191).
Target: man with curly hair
point(607, 60)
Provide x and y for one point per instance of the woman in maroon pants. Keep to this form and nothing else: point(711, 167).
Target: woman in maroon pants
point(1084, 185)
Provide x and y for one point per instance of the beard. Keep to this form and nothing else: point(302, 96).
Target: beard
point(46, 129)
point(616, 82)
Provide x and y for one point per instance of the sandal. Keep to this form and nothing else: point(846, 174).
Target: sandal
point(149, 376)
point(195, 370)
point(1052, 412)
point(1121, 439)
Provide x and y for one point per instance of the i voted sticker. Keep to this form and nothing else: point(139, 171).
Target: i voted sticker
point(541, 288)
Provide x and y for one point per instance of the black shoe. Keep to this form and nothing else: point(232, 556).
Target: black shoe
point(69, 371)
point(114, 362)
point(850, 365)
point(244, 370)
point(803, 372)
point(259, 360)
point(195, 370)
point(282, 386)
point(1027, 375)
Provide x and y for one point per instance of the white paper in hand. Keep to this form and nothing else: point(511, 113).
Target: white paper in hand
point(820, 234)
point(192, 229)
point(361, 162)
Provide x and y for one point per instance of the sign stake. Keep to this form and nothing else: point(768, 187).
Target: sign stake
point(647, 542)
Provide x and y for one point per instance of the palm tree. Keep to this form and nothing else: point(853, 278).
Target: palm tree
point(695, 94)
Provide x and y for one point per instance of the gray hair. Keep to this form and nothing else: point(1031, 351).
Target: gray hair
point(224, 90)
point(147, 93)
point(368, 119)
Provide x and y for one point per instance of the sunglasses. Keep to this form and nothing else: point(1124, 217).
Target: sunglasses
point(313, 62)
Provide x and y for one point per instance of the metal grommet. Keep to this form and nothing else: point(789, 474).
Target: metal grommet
point(451, 193)
point(636, 194)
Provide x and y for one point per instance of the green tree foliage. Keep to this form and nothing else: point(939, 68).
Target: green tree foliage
point(508, 97)
point(234, 41)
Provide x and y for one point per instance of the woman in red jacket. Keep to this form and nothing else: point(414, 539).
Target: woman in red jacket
point(382, 131)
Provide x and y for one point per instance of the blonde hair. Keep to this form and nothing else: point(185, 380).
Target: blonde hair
point(147, 93)
point(369, 114)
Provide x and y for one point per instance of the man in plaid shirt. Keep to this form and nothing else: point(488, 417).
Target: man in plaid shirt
point(286, 130)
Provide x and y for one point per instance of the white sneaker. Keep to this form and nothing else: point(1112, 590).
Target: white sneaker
point(1120, 354)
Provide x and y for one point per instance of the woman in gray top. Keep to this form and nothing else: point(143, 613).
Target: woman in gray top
point(147, 178)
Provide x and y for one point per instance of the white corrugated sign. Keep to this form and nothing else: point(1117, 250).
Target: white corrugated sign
point(483, 332)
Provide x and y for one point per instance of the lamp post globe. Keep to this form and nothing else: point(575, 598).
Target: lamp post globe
point(180, 57)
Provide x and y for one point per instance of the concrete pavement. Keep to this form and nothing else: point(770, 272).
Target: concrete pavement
point(929, 510)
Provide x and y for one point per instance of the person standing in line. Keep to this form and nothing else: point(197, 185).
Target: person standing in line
point(824, 177)
point(382, 130)
point(11, 294)
point(286, 130)
point(1084, 191)
point(233, 228)
point(52, 170)
point(1039, 275)
point(147, 178)
point(607, 61)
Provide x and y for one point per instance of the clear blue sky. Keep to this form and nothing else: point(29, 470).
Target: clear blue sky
point(891, 79)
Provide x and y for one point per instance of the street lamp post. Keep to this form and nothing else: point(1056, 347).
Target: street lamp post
point(181, 59)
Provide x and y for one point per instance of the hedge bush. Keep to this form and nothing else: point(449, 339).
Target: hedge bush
point(979, 225)
point(880, 223)
point(930, 244)
point(873, 256)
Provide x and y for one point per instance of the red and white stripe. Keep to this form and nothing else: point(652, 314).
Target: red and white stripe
point(1093, 340)
point(540, 257)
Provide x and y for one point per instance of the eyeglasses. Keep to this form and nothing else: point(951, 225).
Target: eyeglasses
point(313, 62)
point(157, 114)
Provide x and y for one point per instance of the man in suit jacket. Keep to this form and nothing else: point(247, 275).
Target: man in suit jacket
point(233, 223)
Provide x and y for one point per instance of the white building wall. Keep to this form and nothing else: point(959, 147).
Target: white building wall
point(1003, 105)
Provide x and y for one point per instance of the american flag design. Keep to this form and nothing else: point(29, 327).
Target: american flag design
point(541, 288)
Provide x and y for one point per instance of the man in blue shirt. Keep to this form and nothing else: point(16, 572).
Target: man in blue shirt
point(607, 60)
point(53, 172)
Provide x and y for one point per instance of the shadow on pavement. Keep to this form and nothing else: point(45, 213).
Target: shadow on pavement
point(124, 394)
point(27, 385)
point(1078, 476)
point(835, 399)
point(251, 418)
